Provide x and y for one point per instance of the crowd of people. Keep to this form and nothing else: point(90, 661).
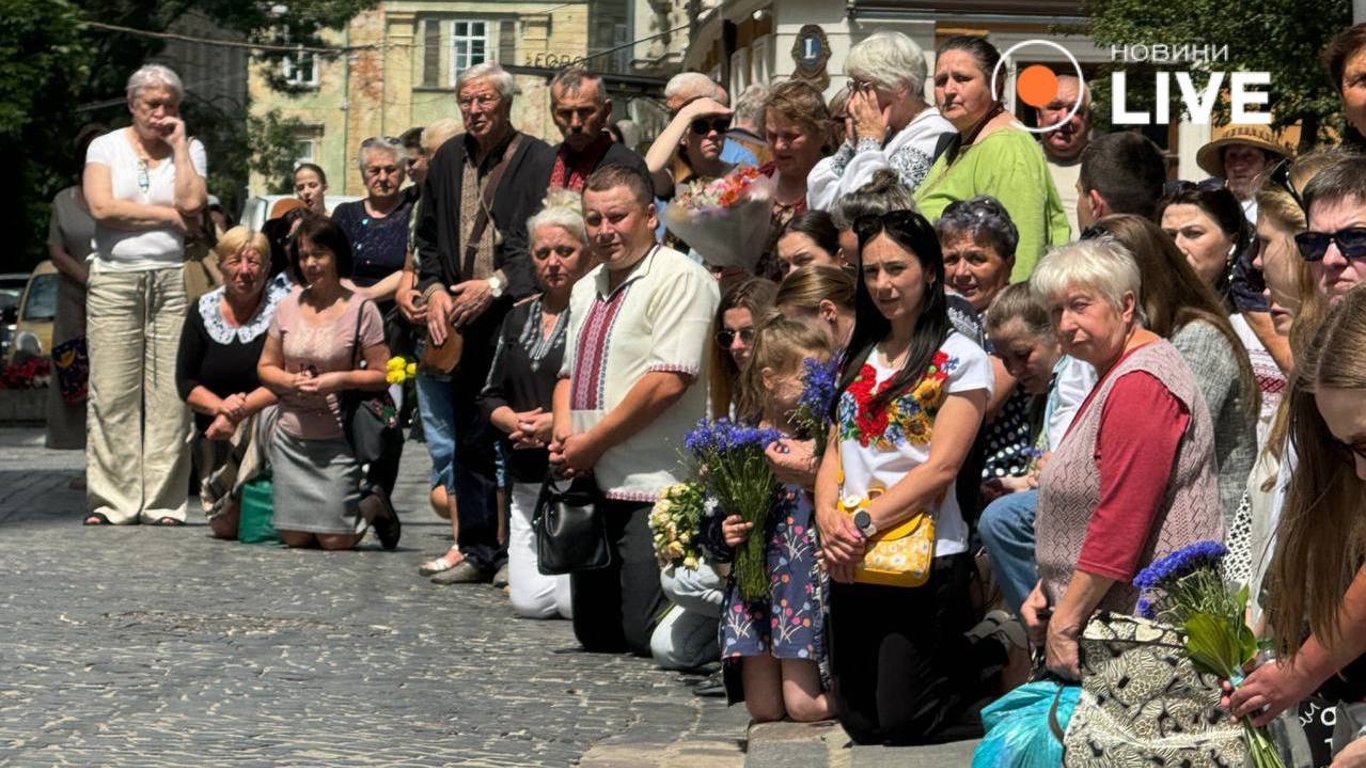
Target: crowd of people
point(1053, 365)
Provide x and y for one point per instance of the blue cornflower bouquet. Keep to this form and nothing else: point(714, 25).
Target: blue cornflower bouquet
point(736, 473)
point(819, 381)
point(1187, 589)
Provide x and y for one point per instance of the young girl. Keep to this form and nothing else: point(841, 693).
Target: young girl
point(777, 641)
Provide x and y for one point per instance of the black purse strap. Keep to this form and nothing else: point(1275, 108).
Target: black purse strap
point(355, 343)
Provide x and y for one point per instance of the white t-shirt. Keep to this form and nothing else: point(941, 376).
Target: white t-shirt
point(134, 250)
point(1072, 382)
point(879, 461)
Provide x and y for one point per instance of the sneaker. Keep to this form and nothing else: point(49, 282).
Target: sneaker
point(377, 511)
point(714, 685)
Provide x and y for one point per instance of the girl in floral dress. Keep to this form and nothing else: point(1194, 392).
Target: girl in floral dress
point(777, 641)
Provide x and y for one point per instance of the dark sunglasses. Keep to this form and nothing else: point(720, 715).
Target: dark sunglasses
point(726, 337)
point(904, 221)
point(1314, 245)
point(702, 126)
point(1280, 176)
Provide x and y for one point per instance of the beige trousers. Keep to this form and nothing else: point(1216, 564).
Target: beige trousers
point(137, 444)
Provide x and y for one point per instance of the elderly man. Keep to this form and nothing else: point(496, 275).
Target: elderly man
point(637, 343)
point(580, 108)
point(1062, 146)
point(471, 251)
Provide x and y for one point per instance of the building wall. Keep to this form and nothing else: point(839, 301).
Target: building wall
point(403, 82)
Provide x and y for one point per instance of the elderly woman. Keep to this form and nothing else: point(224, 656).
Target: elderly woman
point(224, 334)
point(1134, 479)
point(891, 126)
point(377, 228)
point(69, 233)
point(992, 154)
point(742, 307)
point(796, 123)
point(145, 187)
point(320, 336)
point(518, 397)
point(310, 186)
point(1179, 307)
point(809, 239)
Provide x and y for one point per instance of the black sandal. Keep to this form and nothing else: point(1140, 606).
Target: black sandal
point(96, 518)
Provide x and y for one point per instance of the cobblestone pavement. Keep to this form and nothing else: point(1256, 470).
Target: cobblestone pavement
point(148, 647)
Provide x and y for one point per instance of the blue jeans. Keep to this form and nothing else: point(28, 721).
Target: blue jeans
point(1007, 531)
point(437, 405)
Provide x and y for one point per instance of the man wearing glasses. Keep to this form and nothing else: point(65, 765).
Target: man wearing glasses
point(1335, 242)
point(471, 245)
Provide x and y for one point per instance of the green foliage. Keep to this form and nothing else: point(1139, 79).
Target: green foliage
point(1283, 37)
point(273, 138)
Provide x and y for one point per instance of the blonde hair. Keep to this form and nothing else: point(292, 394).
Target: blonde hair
point(781, 345)
point(804, 289)
point(1321, 537)
point(232, 242)
point(438, 133)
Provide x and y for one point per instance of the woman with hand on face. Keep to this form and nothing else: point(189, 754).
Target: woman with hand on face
point(320, 336)
point(992, 154)
point(890, 124)
point(310, 186)
point(689, 147)
point(1135, 478)
point(910, 402)
point(145, 188)
point(216, 368)
point(521, 383)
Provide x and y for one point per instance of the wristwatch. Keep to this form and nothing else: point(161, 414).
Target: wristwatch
point(864, 523)
point(496, 286)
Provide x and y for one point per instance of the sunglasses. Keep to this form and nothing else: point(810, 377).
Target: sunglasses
point(902, 221)
point(1174, 188)
point(1280, 176)
point(703, 126)
point(726, 337)
point(1314, 245)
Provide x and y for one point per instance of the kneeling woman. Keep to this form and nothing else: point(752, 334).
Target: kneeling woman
point(320, 336)
point(912, 398)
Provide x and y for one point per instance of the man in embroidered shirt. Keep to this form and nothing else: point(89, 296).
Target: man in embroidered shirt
point(471, 246)
point(628, 392)
point(580, 108)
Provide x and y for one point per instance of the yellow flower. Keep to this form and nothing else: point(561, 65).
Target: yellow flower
point(395, 363)
point(410, 369)
point(917, 428)
point(928, 392)
point(394, 377)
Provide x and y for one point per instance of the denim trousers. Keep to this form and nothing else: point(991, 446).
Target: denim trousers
point(436, 405)
point(1007, 530)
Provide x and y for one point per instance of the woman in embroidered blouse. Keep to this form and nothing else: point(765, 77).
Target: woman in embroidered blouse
point(1134, 479)
point(891, 125)
point(911, 400)
point(521, 383)
point(216, 368)
point(319, 336)
point(992, 154)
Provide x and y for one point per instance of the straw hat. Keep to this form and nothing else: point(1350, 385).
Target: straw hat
point(1210, 158)
point(285, 205)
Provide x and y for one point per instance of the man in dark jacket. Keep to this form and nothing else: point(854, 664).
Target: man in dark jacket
point(471, 245)
point(580, 108)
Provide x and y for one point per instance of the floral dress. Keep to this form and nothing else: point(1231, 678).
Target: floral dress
point(788, 624)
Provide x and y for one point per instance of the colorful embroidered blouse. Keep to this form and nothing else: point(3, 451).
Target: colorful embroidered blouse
point(879, 446)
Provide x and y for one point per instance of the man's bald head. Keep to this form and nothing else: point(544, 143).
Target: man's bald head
point(691, 86)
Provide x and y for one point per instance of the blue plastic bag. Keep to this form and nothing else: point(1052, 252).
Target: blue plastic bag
point(1019, 734)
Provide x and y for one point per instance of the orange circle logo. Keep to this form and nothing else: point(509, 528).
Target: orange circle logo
point(1037, 85)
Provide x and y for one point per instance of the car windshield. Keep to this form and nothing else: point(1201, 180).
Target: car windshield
point(42, 298)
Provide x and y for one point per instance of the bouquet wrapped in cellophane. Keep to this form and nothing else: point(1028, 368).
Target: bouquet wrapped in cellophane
point(727, 219)
point(675, 521)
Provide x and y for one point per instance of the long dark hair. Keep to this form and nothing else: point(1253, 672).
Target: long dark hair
point(913, 232)
point(1221, 206)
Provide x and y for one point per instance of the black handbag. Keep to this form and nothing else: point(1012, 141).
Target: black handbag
point(570, 534)
point(369, 419)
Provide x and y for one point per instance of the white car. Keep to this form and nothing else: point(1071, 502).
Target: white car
point(256, 209)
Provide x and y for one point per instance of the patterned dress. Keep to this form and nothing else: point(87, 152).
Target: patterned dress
point(788, 624)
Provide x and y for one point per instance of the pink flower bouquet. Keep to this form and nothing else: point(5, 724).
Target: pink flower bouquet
point(726, 220)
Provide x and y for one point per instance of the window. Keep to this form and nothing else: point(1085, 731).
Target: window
point(301, 69)
point(739, 71)
point(621, 57)
point(431, 52)
point(759, 67)
point(469, 45)
point(304, 150)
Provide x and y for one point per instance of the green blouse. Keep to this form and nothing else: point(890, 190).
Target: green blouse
point(1009, 166)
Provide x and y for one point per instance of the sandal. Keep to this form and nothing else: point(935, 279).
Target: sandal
point(96, 518)
point(169, 522)
point(443, 563)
